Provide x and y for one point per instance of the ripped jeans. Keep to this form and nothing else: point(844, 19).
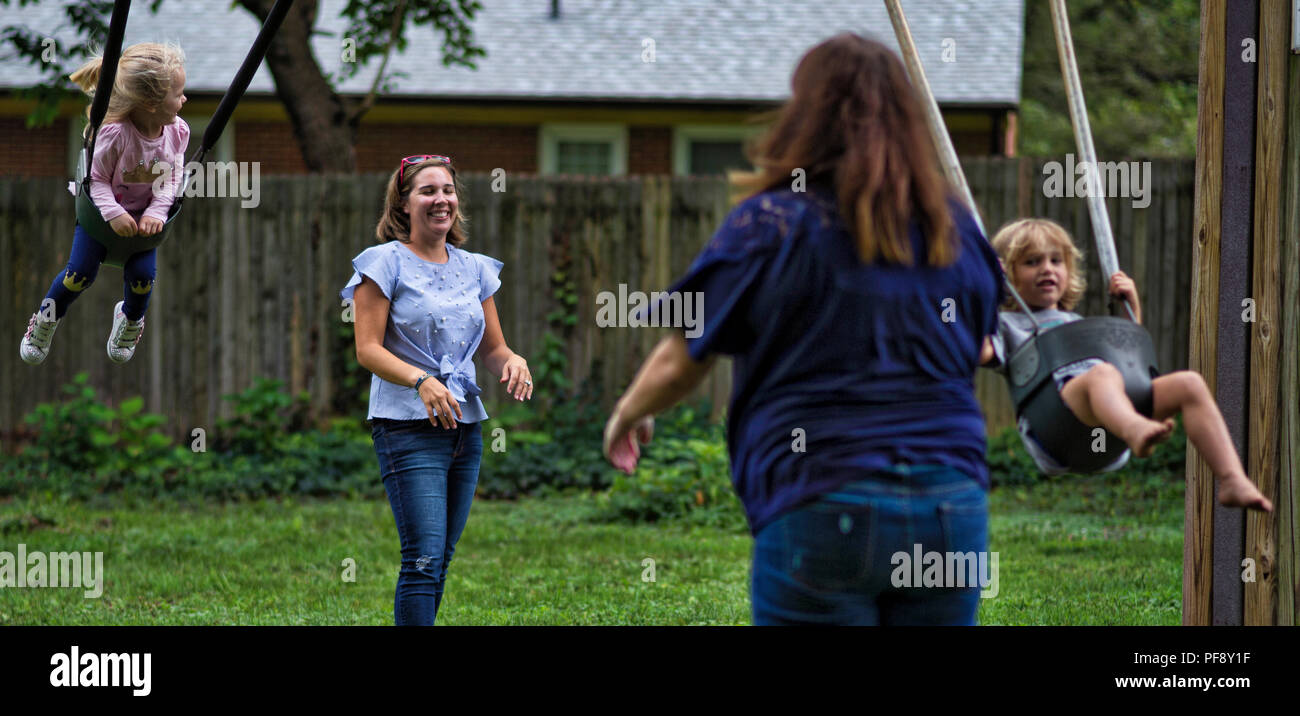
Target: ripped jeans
point(429, 474)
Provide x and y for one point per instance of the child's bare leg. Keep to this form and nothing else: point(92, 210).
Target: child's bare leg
point(1098, 398)
point(1185, 390)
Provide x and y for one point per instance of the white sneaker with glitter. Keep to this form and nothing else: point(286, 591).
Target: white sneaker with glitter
point(36, 343)
point(124, 337)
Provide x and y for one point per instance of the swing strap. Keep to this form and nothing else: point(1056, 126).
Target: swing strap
point(235, 92)
point(1101, 232)
point(244, 76)
point(939, 131)
point(107, 76)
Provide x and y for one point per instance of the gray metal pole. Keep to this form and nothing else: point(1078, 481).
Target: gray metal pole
point(1102, 236)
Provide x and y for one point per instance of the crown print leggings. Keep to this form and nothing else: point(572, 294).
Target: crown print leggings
point(138, 272)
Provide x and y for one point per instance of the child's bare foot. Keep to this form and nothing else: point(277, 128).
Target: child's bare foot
point(1239, 491)
point(1143, 437)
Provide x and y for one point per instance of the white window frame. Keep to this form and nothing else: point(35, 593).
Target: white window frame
point(550, 136)
point(684, 134)
point(223, 152)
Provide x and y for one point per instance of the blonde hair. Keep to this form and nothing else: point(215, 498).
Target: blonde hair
point(395, 225)
point(145, 73)
point(1018, 238)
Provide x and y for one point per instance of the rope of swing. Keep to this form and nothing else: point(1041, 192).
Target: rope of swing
point(1078, 116)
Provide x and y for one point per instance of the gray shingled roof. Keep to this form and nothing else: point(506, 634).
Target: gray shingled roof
point(733, 50)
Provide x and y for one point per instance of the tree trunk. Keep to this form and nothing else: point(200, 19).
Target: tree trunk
point(321, 119)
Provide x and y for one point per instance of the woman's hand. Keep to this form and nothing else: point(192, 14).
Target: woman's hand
point(436, 397)
point(519, 382)
point(621, 447)
point(150, 226)
point(123, 225)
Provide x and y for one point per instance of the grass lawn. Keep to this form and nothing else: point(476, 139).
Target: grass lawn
point(1090, 551)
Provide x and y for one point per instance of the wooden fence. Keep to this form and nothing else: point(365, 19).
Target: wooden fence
point(249, 292)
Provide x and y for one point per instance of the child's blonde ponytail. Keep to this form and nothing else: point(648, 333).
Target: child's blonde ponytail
point(144, 77)
point(87, 76)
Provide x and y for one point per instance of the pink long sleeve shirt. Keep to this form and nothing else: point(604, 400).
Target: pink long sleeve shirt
point(126, 165)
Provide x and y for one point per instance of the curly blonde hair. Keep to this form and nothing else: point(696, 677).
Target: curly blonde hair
point(1020, 237)
point(145, 73)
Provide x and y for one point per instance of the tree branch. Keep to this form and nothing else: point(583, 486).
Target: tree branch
point(399, 17)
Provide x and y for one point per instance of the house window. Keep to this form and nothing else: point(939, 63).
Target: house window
point(583, 157)
point(716, 156)
point(704, 149)
point(586, 149)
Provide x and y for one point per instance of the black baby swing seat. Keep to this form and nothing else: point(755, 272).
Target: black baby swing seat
point(1118, 341)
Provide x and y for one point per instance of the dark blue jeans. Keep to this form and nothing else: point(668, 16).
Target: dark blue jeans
point(138, 273)
point(429, 474)
point(836, 560)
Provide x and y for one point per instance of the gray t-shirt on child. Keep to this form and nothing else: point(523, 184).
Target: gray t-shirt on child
point(1014, 328)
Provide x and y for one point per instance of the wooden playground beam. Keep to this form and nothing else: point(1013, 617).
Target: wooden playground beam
point(1260, 599)
point(1288, 506)
point(1199, 501)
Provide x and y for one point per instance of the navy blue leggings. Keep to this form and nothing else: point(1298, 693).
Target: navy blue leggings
point(83, 265)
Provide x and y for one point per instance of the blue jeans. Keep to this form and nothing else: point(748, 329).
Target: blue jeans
point(836, 561)
point(429, 474)
point(138, 273)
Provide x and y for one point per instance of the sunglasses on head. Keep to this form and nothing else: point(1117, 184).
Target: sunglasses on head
point(416, 159)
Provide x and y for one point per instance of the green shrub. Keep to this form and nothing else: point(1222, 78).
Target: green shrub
point(84, 447)
point(91, 445)
point(544, 448)
point(264, 413)
point(684, 473)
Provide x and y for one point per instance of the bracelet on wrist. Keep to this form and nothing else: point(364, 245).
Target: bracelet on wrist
point(421, 379)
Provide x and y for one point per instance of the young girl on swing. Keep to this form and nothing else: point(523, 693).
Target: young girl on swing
point(139, 140)
point(1042, 262)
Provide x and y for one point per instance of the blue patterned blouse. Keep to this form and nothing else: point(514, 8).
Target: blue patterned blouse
point(435, 322)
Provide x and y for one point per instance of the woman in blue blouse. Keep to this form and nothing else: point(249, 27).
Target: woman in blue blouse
point(423, 309)
point(855, 307)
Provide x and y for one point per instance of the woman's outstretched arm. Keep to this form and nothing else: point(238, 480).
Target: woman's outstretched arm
point(667, 376)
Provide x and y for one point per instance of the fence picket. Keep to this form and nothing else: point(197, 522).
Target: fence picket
point(243, 293)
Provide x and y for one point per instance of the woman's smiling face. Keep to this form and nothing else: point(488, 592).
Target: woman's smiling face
point(432, 203)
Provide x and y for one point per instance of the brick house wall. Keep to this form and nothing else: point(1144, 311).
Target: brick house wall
point(649, 150)
point(41, 152)
point(474, 147)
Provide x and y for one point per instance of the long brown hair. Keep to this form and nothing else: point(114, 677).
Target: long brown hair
point(853, 121)
point(394, 225)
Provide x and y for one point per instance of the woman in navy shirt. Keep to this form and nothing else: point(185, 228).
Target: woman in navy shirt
point(423, 309)
point(855, 308)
